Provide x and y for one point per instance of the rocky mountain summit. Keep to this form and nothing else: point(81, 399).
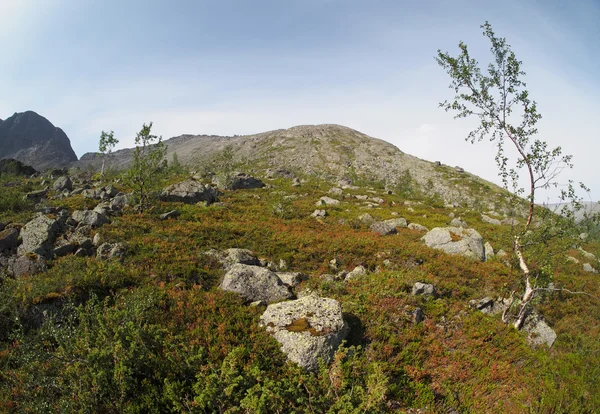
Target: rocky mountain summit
point(33, 140)
point(327, 151)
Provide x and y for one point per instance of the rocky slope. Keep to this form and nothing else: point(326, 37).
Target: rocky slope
point(33, 140)
point(325, 150)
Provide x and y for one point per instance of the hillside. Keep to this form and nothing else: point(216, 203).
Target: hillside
point(106, 309)
point(332, 151)
point(33, 140)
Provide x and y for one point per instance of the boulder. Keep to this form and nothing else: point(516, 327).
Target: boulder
point(107, 251)
point(292, 279)
point(357, 272)
point(457, 222)
point(490, 220)
point(243, 181)
point(327, 201)
point(336, 191)
point(456, 240)
point(417, 226)
point(28, 264)
point(589, 268)
point(119, 202)
point(489, 250)
point(423, 289)
point(232, 256)
point(63, 183)
point(538, 331)
point(190, 192)
point(170, 214)
point(9, 239)
point(255, 283)
point(89, 218)
point(485, 305)
point(309, 329)
point(383, 228)
point(39, 234)
point(37, 195)
point(366, 218)
point(510, 221)
point(319, 213)
point(397, 222)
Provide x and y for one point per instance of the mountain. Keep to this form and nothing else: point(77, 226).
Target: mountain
point(33, 140)
point(324, 150)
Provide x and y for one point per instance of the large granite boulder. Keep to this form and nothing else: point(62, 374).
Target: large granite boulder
point(189, 191)
point(89, 218)
point(255, 283)
point(456, 240)
point(39, 234)
point(309, 329)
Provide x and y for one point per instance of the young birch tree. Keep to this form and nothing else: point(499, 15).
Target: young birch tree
point(105, 146)
point(508, 116)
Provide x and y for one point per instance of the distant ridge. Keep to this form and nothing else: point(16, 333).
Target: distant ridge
point(33, 140)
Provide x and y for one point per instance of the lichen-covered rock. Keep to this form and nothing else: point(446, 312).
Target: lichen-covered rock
point(190, 192)
point(119, 202)
point(423, 289)
point(489, 250)
point(538, 331)
point(63, 183)
point(417, 226)
point(107, 251)
point(457, 222)
point(383, 228)
point(356, 272)
point(456, 240)
point(89, 218)
point(327, 201)
point(309, 329)
point(229, 257)
point(397, 222)
point(39, 234)
point(255, 283)
point(292, 279)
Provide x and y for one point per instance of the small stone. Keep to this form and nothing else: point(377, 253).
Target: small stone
point(424, 289)
point(171, 214)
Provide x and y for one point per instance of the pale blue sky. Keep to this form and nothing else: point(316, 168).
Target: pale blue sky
point(238, 67)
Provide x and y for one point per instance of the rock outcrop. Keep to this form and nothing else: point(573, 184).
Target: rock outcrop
point(309, 329)
point(33, 140)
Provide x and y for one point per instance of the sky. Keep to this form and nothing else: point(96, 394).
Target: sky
point(229, 67)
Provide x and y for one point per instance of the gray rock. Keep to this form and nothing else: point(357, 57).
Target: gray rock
point(292, 279)
point(501, 253)
point(457, 222)
point(255, 283)
point(423, 289)
point(296, 182)
point(417, 316)
point(89, 218)
point(90, 193)
point(327, 201)
point(36, 196)
point(456, 240)
point(397, 222)
point(309, 329)
point(383, 228)
point(490, 220)
point(230, 257)
point(111, 191)
point(170, 214)
point(485, 305)
point(63, 183)
point(587, 255)
point(572, 259)
point(9, 239)
point(539, 332)
point(589, 268)
point(38, 236)
point(107, 251)
point(366, 219)
point(489, 250)
point(510, 221)
point(28, 264)
point(103, 208)
point(119, 202)
point(319, 213)
point(189, 191)
point(357, 272)
point(416, 226)
point(336, 191)
point(97, 240)
point(244, 182)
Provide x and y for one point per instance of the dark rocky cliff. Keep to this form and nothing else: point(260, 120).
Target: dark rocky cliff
point(33, 140)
